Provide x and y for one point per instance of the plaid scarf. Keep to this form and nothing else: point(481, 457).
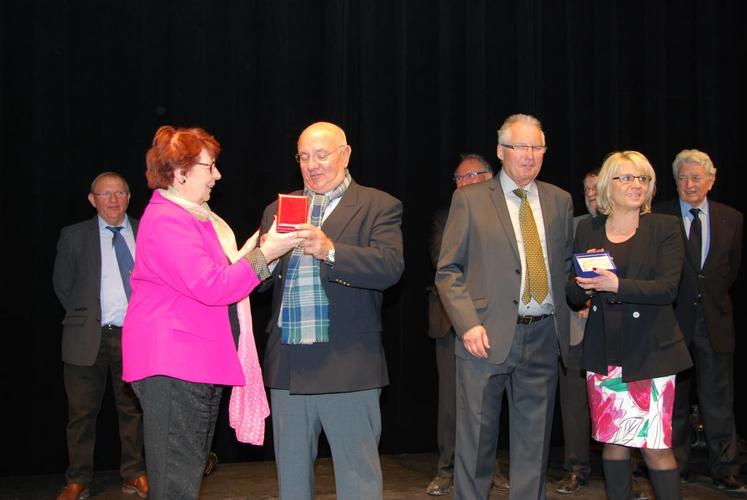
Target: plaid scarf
point(304, 315)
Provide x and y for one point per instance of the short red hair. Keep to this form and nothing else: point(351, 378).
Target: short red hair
point(176, 149)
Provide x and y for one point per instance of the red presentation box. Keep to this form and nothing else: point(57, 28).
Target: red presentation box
point(292, 210)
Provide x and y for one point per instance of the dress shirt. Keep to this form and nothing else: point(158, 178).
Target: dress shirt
point(513, 203)
point(687, 219)
point(113, 297)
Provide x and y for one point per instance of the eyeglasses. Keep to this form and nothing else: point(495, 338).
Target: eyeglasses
point(109, 194)
point(526, 148)
point(628, 178)
point(321, 156)
point(210, 165)
point(469, 175)
point(695, 179)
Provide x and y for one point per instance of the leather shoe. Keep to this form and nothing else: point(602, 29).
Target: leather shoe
point(440, 485)
point(731, 485)
point(501, 483)
point(138, 486)
point(74, 491)
point(570, 484)
point(212, 461)
point(638, 493)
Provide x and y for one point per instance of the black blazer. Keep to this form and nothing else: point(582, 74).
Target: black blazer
point(714, 280)
point(366, 230)
point(77, 283)
point(652, 344)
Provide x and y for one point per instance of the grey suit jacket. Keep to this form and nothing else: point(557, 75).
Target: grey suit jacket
point(366, 230)
point(439, 324)
point(77, 283)
point(577, 324)
point(479, 269)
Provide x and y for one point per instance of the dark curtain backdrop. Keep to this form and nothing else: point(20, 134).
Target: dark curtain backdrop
point(85, 84)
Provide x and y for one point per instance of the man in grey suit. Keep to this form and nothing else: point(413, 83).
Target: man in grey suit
point(505, 258)
point(324, 360)
point(472, 169)
point(90, 284)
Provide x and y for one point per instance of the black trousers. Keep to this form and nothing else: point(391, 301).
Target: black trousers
point(714, 376)
point(85, 387)
point(179, 418)
point(574, 407)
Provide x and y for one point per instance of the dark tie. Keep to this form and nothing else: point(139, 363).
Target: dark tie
point(124, 257)
point(695, 238)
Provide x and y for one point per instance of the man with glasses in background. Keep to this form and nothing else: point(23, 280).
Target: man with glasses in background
point(324, 361)
point(504, 263)
point(92, 282)
point(712, 233)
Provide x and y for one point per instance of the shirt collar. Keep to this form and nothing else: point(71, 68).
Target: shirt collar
point(508, 185)
point(103, 224)
point(685, 208)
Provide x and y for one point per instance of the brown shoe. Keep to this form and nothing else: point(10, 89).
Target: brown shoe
point(570, 484)
point(138, 486)
point(501, 482)
point(74, 491)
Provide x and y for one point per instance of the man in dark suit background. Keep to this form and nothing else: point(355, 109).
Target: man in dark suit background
point(704, 312)
point(504, 262)
point(472, 169)
point(324, 361)
point(91, 281)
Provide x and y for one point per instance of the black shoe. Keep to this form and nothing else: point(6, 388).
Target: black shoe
point(685, 477)
point(501, 483)
point(731, 485)
point(570, 484)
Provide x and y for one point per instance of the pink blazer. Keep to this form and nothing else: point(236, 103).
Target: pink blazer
point(177, 320)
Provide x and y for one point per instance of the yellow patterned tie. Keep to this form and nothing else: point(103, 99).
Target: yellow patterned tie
point(535, 284)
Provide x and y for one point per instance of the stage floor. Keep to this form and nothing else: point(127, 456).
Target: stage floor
point(405, 477)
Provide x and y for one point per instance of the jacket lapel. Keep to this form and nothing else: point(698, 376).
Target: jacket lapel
point(93, 241)
point(499, 202)
point(343, 213)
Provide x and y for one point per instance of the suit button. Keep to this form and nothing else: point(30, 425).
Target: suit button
point(516, 302)
point(636, 314)
point(700, 276)
point(518, 271)
point(594, 308)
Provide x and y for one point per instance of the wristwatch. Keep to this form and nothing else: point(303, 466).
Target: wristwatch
point(330, 256)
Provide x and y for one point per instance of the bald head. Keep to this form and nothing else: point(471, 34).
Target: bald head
point(323, 154)
point(324, 128)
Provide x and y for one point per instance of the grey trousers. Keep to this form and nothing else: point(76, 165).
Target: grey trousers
point(530, 373)
point(179, 418)
point(352, 424)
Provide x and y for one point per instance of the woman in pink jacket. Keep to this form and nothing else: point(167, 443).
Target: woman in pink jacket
point(177, 346)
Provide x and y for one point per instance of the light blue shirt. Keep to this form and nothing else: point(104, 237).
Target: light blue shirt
point(704, 215)
point(113, 297)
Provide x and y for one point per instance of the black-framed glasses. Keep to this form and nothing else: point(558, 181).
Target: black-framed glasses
point(526, 148)
point(320, 156)
point(628, 178)
point(109, 194)
point(210, 166)
point(469, 175)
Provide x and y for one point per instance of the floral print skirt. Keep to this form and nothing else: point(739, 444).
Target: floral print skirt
point(636, 414)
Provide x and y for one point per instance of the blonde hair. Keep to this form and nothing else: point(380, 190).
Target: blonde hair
point(610, 169)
